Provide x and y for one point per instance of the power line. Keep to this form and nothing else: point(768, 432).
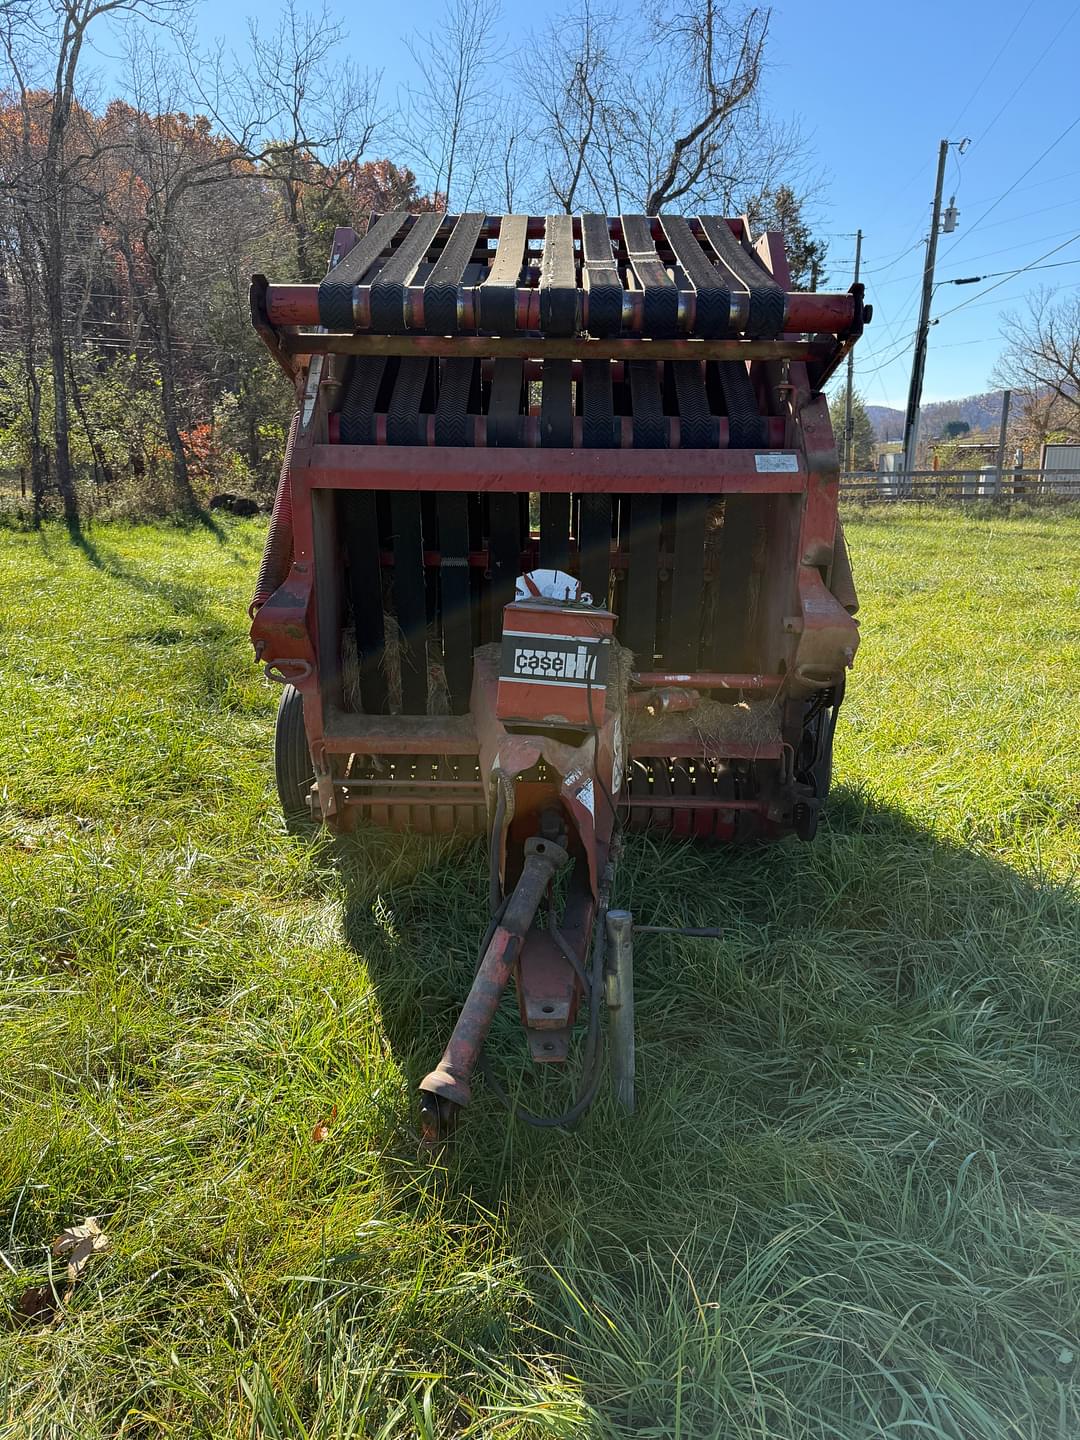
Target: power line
point(893, 357)
point(976, 300)
point(1011, 274)
point(1054, 265)
point(1036, 185)
point(987, 254)
point(1021, 83)
point(1053, 144)
point(902, 316)
point(989, 69)
point(878, 269)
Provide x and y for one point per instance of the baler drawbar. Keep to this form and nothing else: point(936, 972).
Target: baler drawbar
point(555, 555)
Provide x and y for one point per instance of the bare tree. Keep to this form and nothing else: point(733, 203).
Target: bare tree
point(20, 285)
point(166, 169)
point(447, 116)
point(685, 128)
point(283, 118)
point(1041, 365)
point(326, 114)
point(574, 96)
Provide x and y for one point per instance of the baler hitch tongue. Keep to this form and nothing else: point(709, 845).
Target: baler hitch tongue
point(447, 1088)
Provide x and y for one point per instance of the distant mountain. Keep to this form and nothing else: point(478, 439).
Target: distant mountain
point(888, 424)
point(982, 412)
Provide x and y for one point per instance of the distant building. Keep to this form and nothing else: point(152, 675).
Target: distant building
point(1065, 460)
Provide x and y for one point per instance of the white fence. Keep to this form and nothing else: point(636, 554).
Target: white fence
point(985, 484)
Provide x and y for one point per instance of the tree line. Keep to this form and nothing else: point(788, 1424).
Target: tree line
point(130, 224)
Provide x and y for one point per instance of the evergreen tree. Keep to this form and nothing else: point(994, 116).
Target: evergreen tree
point(862, 431)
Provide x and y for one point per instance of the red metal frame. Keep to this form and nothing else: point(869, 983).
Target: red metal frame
point(811, 634)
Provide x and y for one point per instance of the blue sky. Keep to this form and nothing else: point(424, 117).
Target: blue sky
point(875, 87)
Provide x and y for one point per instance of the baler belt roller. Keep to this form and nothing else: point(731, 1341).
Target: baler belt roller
point(766, 303)
point(662, 277)
point(441, 290)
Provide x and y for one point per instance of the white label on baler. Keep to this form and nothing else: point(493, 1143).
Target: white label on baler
point(766, 464)
point(585, 796)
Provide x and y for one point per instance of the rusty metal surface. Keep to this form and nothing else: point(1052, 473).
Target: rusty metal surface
point(804, 312)
point(669, 472)
point(802, 596)
point(451, 1078)
point(546, 987)
point(706, 680)
point(483, 347)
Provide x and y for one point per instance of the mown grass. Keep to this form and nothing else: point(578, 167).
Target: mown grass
point(848, 1203)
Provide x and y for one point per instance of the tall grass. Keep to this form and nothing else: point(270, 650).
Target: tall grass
point(847, 1205)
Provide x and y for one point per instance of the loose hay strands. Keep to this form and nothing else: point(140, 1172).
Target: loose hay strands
point(438, 691)
point(746, 722)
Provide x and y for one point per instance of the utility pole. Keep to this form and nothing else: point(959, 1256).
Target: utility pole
point(918, 364)
point(1006, 397)
point(849, 426)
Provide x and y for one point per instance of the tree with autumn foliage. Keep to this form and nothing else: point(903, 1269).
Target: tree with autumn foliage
point(129, 229)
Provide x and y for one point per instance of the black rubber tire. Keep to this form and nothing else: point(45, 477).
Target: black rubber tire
point(293, 769)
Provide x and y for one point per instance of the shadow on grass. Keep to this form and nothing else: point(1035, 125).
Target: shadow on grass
point(184, 599)
point(875, 892)
point(856, 1113)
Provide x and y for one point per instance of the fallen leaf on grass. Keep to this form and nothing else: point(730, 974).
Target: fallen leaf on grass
point(321, 1131)
point(37, 1305)
point(79, 1243)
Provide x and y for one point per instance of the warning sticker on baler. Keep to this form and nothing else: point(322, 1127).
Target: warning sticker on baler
point(771, 464)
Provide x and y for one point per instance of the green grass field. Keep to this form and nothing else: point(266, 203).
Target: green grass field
point(848, 1205)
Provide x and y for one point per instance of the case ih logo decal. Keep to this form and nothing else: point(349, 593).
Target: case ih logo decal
point(555, 659)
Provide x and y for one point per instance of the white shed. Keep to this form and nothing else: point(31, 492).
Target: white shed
point(1061, 464)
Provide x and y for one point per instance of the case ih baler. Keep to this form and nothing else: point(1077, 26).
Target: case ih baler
point(555, 553)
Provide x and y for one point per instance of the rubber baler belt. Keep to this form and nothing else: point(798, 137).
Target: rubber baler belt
point(767, 300)
point(441, 286)
point(713, 312)
point(746, 428)
point(452, 423)
point(594, 522)
point(359, 510)
point(388, 286)
point(600, 277)
point(357, 419)
point(661, 295)
point(598, 406)
point(336, 290)
point(697, 425)
point(557, 429)
point(454, 596)
point(498, 293)
point(403, 417)
point(558, 285)
point(504, 403)
point(650, 426)
point(410, 598)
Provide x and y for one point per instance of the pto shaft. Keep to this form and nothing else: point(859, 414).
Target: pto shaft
point(450, 1080)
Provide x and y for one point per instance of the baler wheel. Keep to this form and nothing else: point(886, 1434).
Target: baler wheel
point(293, 769)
